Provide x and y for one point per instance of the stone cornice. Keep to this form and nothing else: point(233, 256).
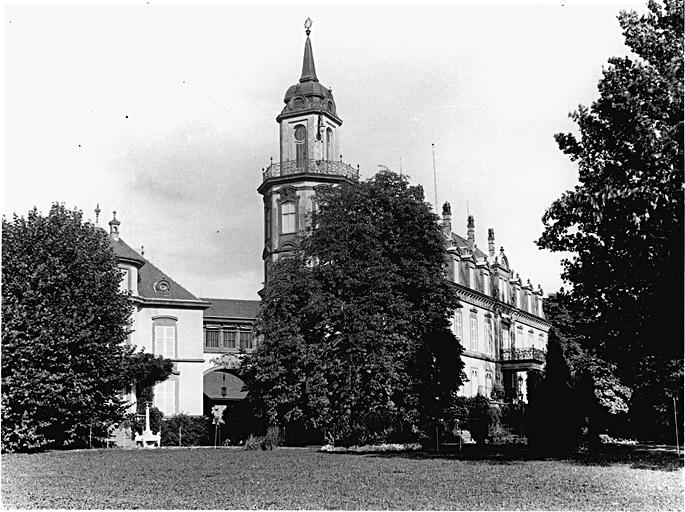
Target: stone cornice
point(169, 303)
point(487, 302)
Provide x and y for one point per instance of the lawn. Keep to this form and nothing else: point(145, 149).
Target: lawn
point(305, 478)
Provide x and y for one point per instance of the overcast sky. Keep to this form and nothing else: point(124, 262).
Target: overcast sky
point(166, 114)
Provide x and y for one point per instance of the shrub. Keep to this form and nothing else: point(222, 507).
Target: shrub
point(269, 441)
point(272, 438)
point(195, 430)
point(253, 443)
point(476, 415)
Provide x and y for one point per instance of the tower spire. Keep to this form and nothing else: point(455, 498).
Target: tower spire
point(308, 69)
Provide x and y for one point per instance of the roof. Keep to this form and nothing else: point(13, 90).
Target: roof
point(155, 284)
point(123, 251)
point(308, 95)
point(463, 242)
point(232, 308)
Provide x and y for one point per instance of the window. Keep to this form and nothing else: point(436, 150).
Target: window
point(474, 381)
point(267, 223)
point(246, 339)
point(506, 342)
point(458, 328)
point(228, 338)
point(164, 337)
point(488, 383)
point(165, 396)
point(465, 279)
point(490, 345)
point(288, 217)
point(301, 147)
point(212, 338)
point(531, 339)
point(519, 338)
point(125, 283)
point(329, 144)
point(474, 332)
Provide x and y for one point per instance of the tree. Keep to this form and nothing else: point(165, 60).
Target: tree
point(64, 324)
point(623, 223)
point(144, 370)
point(356, 325)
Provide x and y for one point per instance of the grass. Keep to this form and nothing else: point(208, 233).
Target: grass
point(305, 478)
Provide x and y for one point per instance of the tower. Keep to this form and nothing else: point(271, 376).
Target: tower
point(310, 155)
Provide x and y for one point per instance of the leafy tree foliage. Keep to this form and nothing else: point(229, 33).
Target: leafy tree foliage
point(623, 223)
point(64, 324)
point(356, 324)
point(580, 395)
point(144, 370)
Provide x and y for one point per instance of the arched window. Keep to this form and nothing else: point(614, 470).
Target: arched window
point(164, 337)
point(329, 144)
point(301, 146)
point(288, 217)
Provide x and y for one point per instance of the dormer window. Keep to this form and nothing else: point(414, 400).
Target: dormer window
point(162, 286)
point(125, 283)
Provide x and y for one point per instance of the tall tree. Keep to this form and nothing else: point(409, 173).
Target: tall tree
point(356, 327)
point(64, 322)
point(623, 223)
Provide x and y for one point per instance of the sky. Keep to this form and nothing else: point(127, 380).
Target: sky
point(166, 114)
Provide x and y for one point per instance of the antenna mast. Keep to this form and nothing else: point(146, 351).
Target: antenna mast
point(435, 180)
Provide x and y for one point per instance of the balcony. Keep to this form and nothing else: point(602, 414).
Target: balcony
point(523, 354)
point(327, 167)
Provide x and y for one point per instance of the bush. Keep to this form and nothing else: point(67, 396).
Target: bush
point(253, 443)
point(195, 430)
point(476, 415)
point(269, 441)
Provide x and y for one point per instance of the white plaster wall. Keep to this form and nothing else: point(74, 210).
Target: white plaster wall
point(188, 330)
point(189, 334)
point(482, 366)
point(190, 388)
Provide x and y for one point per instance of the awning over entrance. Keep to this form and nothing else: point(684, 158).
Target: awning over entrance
point(216, 380)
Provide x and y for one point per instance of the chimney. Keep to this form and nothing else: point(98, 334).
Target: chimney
point(491, 242)
point(114, 227)
point(447, 220)
point(470, 232)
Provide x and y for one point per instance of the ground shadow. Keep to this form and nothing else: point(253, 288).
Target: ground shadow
point(652, 457)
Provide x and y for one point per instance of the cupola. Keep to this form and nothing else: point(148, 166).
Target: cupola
point(308, 95)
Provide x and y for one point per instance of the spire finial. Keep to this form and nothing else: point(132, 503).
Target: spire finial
point(114, 226)
point(97, 213)
point(308, 69)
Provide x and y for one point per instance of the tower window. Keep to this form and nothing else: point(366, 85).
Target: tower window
point(300, 146)
point(329, 144)
point(288, 217)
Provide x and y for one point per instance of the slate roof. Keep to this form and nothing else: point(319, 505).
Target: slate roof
point(463, 242)
point(232, 308)
point(124, 251)
point(148, 285)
